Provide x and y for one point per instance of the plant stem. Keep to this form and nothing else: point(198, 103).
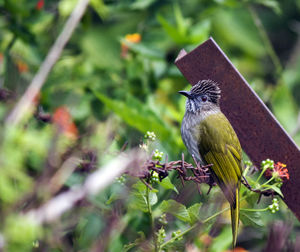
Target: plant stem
point(254, 210)
point(151, 218)
point(193, 226)
point(264, 36)
point(216, 214)
point(267, 182)
point(261, 173)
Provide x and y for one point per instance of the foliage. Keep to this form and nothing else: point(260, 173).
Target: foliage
point(114, 81)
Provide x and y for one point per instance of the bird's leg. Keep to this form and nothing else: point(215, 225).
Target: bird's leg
point(260, 192)
point(209, 189)
point(245, 183)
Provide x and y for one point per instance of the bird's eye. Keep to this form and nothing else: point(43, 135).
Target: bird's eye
point(204, 98)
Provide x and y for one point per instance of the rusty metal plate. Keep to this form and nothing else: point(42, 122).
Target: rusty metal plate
point(260, 134)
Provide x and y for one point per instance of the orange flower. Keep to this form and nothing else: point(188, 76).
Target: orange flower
point(279, 171)
point(40, 4)
point(63, 119)
point(132, 38)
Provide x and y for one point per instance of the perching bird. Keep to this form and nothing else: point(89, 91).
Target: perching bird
point(210, 138)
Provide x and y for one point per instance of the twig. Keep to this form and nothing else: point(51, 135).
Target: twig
point(94, 183)
point(25, 103)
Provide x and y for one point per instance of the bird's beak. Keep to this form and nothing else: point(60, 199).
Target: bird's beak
point(186, 93)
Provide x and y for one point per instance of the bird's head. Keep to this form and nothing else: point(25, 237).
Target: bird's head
point(203, 96)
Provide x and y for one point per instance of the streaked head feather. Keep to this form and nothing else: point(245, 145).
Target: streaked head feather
point(209, 88)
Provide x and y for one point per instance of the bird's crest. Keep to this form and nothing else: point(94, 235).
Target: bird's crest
point(208, 87)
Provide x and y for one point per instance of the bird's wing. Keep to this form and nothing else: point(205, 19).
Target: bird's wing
point(220, 146)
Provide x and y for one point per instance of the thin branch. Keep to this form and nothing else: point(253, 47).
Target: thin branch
point(94, 183)
point(25, 103)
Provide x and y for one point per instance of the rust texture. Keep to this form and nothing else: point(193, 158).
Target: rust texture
point(259, 132)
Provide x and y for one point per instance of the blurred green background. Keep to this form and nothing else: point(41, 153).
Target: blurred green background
point(115, 80)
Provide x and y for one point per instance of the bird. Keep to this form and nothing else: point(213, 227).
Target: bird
point(210, 139)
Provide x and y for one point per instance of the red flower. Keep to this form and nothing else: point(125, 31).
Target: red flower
point(63, 119)
point(279, 171)
point(40, 4)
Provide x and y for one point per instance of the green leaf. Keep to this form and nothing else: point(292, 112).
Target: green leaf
point(65, 7)
point(100, 8)
point(194, 212)
point(172, 31)
point(167, 184)
point(272, 4)
point(242, 34)
point(141, 187)
point(200, 32)
point(101, 47)
point(89, 228)
point(138, 197)
point(137, 115)
point(141, 5)
point(175, 208)
point(250, 218)
point(181, 22)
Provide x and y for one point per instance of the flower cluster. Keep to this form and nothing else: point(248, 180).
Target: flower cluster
point(161, 235)
point(121, 179)
point(177, 233)
point(157, 155)
point(274, 207)
point(163, 219)
point(278, 171)
point(150, 135)
point(266, 164)
point(154, 177)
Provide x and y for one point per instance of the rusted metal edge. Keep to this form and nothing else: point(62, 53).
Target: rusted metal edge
point(260, 134)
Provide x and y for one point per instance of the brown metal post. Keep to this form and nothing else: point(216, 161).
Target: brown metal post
point(260, 134)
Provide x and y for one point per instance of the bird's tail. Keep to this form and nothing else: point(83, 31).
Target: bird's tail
point(235, 216)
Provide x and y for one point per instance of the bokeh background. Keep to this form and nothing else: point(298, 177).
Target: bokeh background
point(114, 81)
